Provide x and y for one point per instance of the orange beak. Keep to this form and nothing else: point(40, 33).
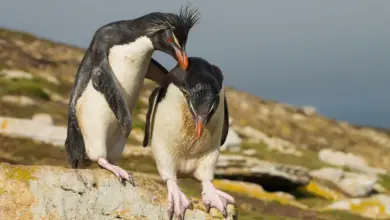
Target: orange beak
point(199, 128)
point(182, 58)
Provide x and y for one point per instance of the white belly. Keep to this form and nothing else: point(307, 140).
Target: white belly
point(100, 128)
point(170, 135)
point(129, 63)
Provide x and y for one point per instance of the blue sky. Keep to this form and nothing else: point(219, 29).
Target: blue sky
point(333, 55)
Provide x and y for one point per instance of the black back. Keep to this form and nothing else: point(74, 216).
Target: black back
point(199, 71)
point(95, 67)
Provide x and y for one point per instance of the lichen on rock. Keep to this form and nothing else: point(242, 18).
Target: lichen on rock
point(46, 192)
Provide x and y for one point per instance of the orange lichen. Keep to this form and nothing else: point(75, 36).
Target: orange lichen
point(4, 125)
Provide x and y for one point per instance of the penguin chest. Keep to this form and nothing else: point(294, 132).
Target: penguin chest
point(174, 128)
point(192, 146)
point(129, 63)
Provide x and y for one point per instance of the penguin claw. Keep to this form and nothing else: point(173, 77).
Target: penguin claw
point(170, 214)
point(213, 198)
point(207, 205)
point(178, 203)
point(131, 179)
point(118, 171)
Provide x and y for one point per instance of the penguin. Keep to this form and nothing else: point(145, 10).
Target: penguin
point(109, 79)
point(186, 123)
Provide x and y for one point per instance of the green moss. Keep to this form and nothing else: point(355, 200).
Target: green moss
point(139, 124)
point(23, 87)
point(27, 152)
point(342, 215)
point(2, 191)
point(308, 159)
point(385, 181)
point(139, 164)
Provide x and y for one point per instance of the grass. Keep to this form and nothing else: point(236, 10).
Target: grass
point(31, 88)
point(308, 159)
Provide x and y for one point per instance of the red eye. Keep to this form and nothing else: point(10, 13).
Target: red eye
point(170, 40)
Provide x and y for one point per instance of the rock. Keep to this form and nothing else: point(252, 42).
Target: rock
point(308, 110)
point(18, 127)
point(349, 160)
point(43, 118)
point(353, 184)
point(376, 207)
point(249, 152)
point(50, 78)
point(272, 143)
point(45, 192)
point(55, 96)
point(329, 174)
point(142, 117)
point(233, 141)
point(314, 188)
point(137, 134)
point(357, 185)
point(256, 191)
point(270, 175)
point(16, 74)
point(137, 151)
point(18, 100)
point(144, 99)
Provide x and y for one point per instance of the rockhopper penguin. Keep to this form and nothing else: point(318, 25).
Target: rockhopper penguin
point(186, 123)
point(109, 80)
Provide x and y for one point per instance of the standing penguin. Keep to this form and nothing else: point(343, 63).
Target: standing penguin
point(186, 123)
point(109, 80)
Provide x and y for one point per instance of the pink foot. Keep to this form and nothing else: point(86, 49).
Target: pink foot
point(215, 198)
point(177, 201)
point(119, 172)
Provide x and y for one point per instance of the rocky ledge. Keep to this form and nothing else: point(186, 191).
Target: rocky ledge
point(46, 192)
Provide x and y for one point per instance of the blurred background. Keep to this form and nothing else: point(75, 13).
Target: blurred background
point(328, 54)
point(308, 99)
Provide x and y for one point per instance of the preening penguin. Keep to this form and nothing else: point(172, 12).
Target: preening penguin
point(186, 123)
point(109, 80)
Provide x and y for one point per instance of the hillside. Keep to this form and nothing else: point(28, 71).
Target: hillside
point(280, 161)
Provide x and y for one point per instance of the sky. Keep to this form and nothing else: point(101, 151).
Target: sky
point(333, 55)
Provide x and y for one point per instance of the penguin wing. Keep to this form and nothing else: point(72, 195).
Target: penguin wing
point(104, 82)
point(225, 128)
point(154, 99)
point(156, 72)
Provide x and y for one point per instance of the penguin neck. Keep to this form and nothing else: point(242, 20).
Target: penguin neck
point(129, 63)
point(174, 94)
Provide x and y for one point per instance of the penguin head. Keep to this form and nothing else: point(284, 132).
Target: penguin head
point(169, 32)
point(201, 85)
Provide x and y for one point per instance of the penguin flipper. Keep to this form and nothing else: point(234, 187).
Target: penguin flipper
point(225, 129)
point(154, 99)
point(104, 82)
point(156, 72)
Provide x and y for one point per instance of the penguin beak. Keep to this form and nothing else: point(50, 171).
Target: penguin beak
point(182, 58)
point(199, 123)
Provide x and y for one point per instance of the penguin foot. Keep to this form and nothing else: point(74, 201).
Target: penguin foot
point(118, 171)
point(215, 198)
point(178, 202)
